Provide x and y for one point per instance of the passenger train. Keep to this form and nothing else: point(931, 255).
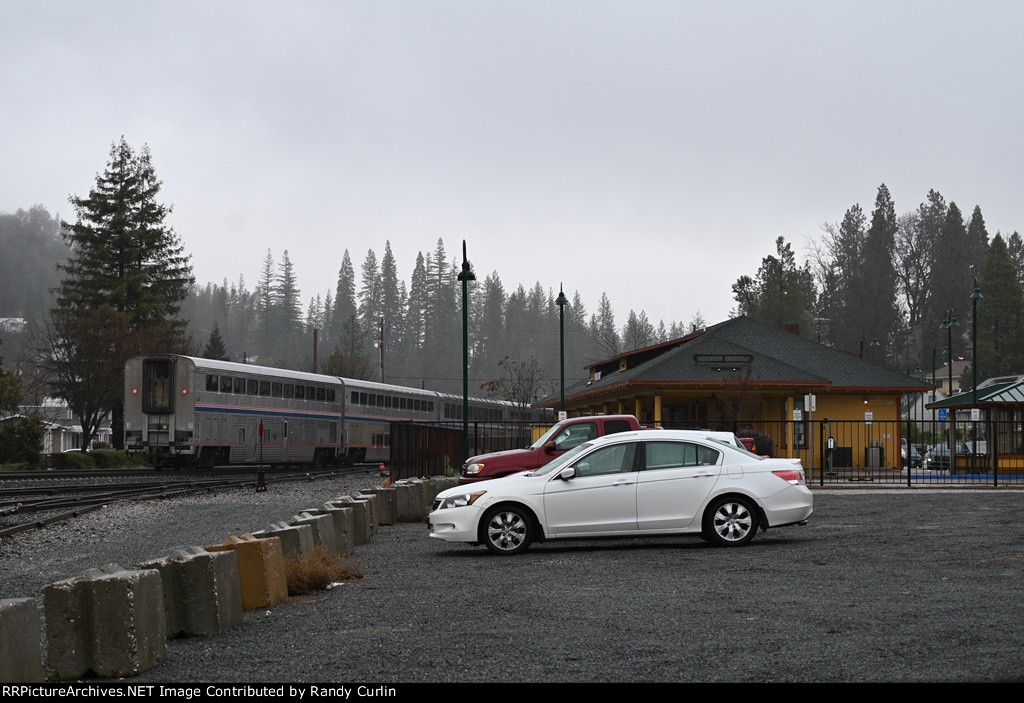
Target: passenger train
point(188, 411)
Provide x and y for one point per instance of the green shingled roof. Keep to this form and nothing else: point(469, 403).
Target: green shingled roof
point(775, 357)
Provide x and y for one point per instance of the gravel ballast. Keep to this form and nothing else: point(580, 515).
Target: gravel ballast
point(882, 585)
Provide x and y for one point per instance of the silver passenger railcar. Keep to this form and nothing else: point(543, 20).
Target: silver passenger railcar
point(190, 411)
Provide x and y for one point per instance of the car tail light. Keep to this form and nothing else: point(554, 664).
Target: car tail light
point(790, 476)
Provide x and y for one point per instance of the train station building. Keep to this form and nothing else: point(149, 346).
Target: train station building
point(745, 374)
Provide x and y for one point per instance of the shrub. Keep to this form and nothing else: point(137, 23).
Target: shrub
point(72, 461)
point(315, 571)
point(109, 459)
point(20, 440)
point(764, 445)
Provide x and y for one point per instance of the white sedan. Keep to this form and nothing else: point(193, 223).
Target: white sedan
point(672, 482)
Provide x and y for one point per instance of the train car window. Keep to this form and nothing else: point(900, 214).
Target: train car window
point(288, 390)
point(373, 400)
point(362, 399)
point(285, 429)
point(276, 389)
point(239, 384)
point(387, 439)
point(330, 395)
point(300, 392)
point(416, 404)
point(252, 387)
point(355, 398)
point(156, 383)
point(430, 406)
point(387, 401)
point(380, 401)
point(310, 393)
point(211, 382)
point(321, 393)
point(226, 383)
point(264, 387)
point(403, 402)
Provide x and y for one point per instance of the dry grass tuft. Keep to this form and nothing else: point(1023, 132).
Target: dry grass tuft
point(313, 572)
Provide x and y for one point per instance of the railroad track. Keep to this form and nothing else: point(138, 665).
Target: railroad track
point(54, 499)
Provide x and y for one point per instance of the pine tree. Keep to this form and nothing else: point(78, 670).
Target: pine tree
point(881, 316)
point(1000, 315)
point(215, 347)
point(122, 252)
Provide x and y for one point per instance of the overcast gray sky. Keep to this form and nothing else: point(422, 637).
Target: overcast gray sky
point(651, 150)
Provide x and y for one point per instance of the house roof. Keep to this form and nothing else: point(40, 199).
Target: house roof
point(994, 391)
point(743, 351)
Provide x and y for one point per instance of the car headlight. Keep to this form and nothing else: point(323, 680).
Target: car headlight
point(460, 501)
point(472, 468)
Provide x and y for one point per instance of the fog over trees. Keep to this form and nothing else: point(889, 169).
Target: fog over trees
point(876, 284)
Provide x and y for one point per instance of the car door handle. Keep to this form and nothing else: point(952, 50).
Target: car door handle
point(704, 474)
point(623, 482)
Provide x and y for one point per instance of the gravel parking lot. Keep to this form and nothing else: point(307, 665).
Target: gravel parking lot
point(882, 585)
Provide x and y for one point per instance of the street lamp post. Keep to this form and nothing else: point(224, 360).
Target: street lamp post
point(465, 276)
point(874, 342)
point(561, 302)
point(948, 324)
point(975, 297)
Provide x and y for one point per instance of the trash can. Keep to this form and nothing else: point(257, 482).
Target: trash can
point(874, 456)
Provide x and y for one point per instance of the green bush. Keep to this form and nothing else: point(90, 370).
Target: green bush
point(72, 461)
point(20, 441)
point(109, 459)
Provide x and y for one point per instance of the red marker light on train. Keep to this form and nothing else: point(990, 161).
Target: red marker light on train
point(184, 391)
point(135, 391)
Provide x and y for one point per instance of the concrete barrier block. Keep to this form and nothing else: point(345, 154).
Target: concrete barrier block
point(436, 484)
point(413, 500)
point(343, 517)
point(21, 654)
point(387, 513)
point(360, 517)
point(405, 496)
point(109, 621)
point(322, 526)
point(296, 540)
point(371, 500)
point(261, 572)
point(202, 593)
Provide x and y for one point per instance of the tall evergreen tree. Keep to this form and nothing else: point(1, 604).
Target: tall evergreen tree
point(123, 254)
point(215, 348)
point(1000, 315)
point(950, 281)
point(781, 294)
point(881, 315)
point(124, 259)
point(344, 297)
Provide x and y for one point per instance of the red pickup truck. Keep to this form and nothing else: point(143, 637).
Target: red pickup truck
point(559, 439)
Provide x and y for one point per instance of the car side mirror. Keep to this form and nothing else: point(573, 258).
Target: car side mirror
point(549, 448)
point(567, 473)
